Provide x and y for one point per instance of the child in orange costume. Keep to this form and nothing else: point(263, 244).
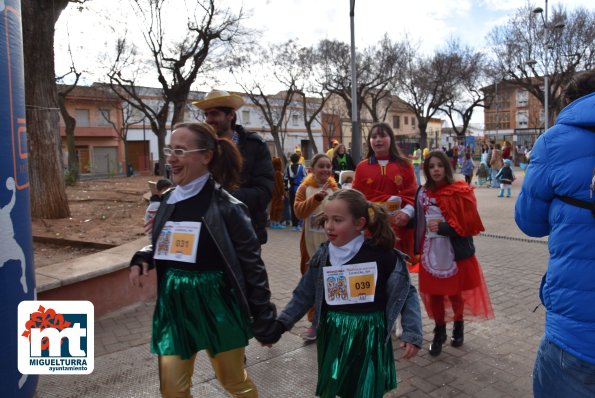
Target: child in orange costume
point(309, 203)
point(278, 195)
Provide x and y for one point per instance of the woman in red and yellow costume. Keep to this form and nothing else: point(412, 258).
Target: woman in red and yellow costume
point(387, 177)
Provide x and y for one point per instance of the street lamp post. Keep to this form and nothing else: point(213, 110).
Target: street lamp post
point(497, 111)
point(356, 138)
point(546, 87)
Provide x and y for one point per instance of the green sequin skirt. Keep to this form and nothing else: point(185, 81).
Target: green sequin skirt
point(353, 360)
point(196, 311)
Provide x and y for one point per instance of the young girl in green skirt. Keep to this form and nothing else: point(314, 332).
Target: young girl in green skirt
point(358, 286)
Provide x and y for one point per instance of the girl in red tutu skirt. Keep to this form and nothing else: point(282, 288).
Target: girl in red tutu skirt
point(451, 282)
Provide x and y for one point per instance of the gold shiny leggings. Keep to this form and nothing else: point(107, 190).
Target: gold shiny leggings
point(175, 374)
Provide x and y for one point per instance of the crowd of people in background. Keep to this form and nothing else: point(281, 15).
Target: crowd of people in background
point(366, 225)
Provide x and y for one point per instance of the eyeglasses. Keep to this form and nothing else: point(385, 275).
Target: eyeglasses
point(177, 152)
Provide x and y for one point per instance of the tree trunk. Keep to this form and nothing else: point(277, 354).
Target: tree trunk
point(126, 158)
point(423, 134)
point(179, 110)
point(311, 137)
point(70, 124)
point(275, 134)
point(46, 175)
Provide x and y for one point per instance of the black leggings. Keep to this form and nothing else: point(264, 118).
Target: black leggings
point(294, 220)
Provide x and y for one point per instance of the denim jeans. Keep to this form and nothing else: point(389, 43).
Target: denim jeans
point(495, 183)
point(417, 169)
point(558, 374)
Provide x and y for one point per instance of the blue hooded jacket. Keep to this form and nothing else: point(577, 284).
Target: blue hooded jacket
point(562, 163)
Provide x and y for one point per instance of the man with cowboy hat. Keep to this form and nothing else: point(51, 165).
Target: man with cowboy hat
point(256, 186)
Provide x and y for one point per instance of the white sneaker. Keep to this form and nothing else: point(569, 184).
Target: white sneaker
point(309, 334)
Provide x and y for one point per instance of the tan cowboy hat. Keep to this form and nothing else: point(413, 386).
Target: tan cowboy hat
point(219, 99)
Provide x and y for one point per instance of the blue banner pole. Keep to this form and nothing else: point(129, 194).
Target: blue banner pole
point(17, 272)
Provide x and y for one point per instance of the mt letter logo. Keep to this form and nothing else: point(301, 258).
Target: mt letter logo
point(56, 337)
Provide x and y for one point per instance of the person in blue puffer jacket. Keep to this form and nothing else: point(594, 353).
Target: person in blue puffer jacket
point(562, 164)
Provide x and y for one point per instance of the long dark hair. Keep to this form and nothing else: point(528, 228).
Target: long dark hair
point(336, 150)
point(448, 174)
point(580, 85)
point(226, 164)
point(394, 151)
point(377, 221)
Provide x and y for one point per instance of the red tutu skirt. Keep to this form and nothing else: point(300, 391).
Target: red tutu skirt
point(467, 285)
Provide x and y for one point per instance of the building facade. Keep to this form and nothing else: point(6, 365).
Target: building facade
point(513, 114)
point(391, 110)
point(143, 144)
point(99, 148)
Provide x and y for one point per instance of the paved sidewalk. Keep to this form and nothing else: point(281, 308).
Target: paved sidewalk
point(495, 361)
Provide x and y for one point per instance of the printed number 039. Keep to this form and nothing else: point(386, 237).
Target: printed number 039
point(362, 285)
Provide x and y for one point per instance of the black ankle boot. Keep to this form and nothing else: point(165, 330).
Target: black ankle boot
point(439, 339)
point(457, 334)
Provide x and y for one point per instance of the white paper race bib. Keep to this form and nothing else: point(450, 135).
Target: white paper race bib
point(178, 241)
point(350, 284)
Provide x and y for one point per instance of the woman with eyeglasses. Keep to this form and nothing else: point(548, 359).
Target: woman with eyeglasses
point(213, 291)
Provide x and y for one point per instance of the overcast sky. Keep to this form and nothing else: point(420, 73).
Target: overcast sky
point(430, 22)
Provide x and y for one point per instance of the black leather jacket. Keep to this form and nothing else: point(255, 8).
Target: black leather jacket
point(257, 179)
point(228, 223)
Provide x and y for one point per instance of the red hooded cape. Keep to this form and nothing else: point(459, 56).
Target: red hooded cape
point(459, 207)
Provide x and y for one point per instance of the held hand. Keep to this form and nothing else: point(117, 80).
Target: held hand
point(400, 219)
point(272, 335)
point(410, 350)
point(433, 225)
point(136, 274)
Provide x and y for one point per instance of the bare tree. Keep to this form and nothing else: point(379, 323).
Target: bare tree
point(386, 59)
point(210, 30)
point(46, 174)
point(467, 95)
point(154, 108)
point(257, 67)
point(73, 175)
point(129, 118)
point(376, 70)
point(333, 117)
point(310, 90)
point(427, 83)
point(519, 50)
